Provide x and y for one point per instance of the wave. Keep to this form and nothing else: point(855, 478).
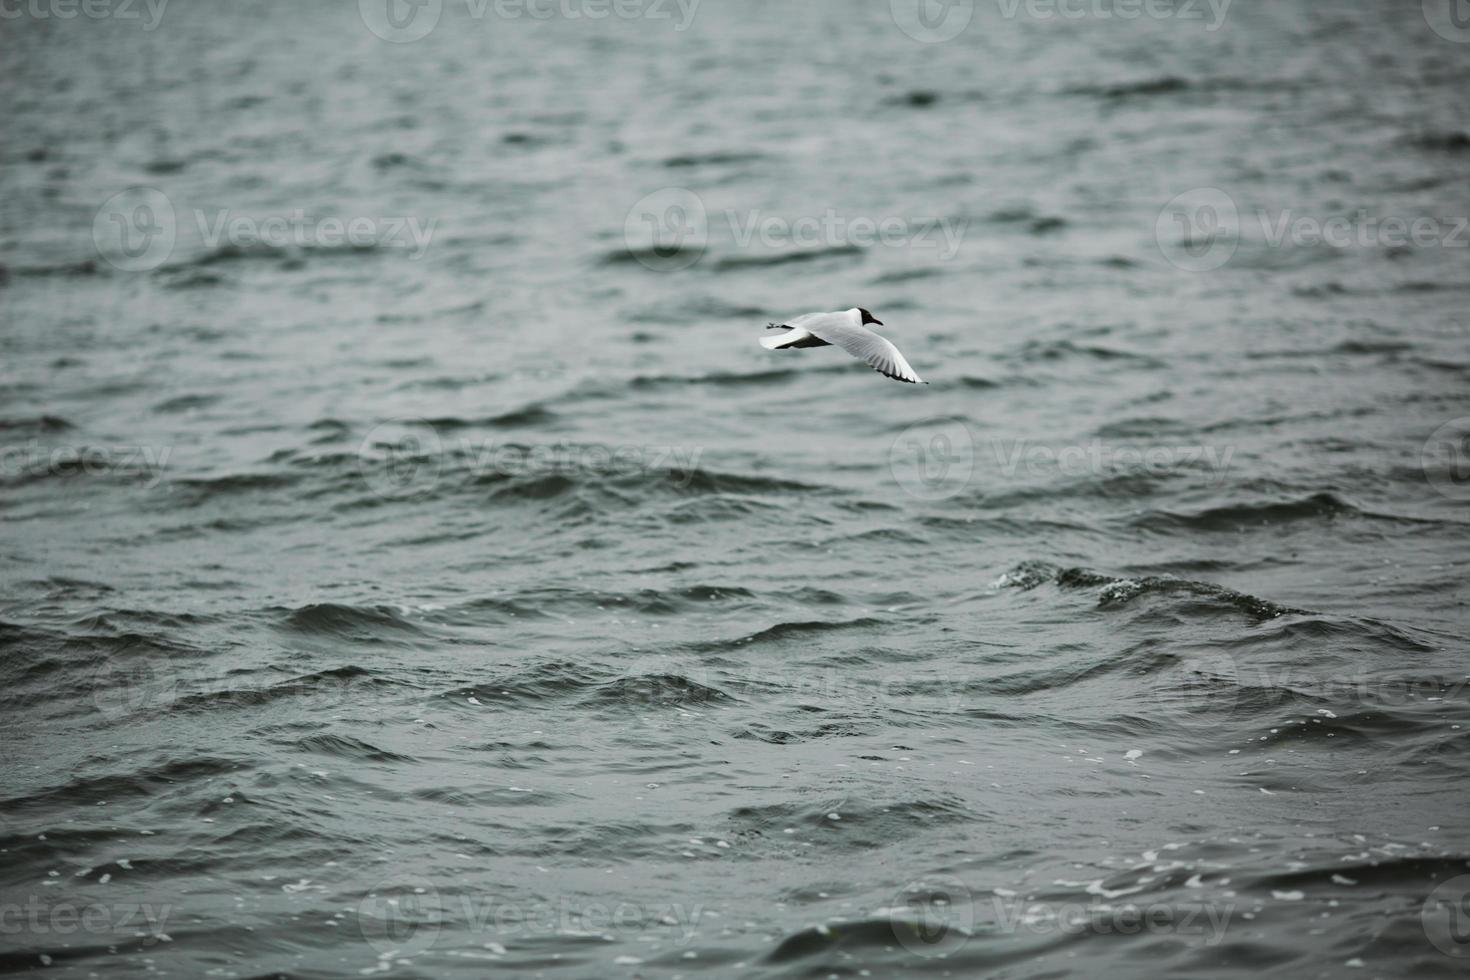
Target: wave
point(1141, 89)
point(35, 424)
point(140, 783)
point(1024, 214)
point(263, 252)
point(552, 602)
point(82, 269)
point(659, 689)
point(347, 747)
point(674, 480)
point(794, 630)
point(654, 255)
point(781, 736)
point(548, 681)
point(737, 262)
point(916, 99)
point(197, 490)
point(1116, 591)
point(528, 140)
point(332, 686)
point(185, 403)
point(359, 624)
point(1142, 428)
point(1309, 632)
point(686, 161)
point(905, 275)
point(1350, 347)
point(717, 378)
point(1323, 505)
point(1058, 350)
point(707, 307)
point(527, 416)
point(1412, 874)
point(1444, 141)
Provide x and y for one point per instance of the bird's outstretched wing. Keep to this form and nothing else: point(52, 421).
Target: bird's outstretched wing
point(875, 350)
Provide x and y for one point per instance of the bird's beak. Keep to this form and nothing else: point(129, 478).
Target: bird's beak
point(880, 323)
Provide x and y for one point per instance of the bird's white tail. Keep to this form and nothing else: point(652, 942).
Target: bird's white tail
point(781, 341)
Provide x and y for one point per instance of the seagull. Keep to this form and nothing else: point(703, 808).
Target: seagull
point(847, 329)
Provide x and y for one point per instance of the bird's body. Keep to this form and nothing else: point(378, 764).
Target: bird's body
point(846, 329)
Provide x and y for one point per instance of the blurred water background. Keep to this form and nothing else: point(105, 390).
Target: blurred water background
point(412, 565)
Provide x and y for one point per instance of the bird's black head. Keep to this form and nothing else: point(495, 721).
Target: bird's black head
point(869, 318)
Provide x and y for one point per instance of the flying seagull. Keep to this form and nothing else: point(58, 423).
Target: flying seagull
point(847, 329)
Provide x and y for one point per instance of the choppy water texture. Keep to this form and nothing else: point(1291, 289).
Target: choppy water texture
point(500, 607)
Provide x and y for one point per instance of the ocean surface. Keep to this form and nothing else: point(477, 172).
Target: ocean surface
point(412, 566)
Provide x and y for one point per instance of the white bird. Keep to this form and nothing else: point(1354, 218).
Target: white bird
point(847, 329)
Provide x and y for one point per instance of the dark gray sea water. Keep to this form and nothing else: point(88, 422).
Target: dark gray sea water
point(412, 566)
